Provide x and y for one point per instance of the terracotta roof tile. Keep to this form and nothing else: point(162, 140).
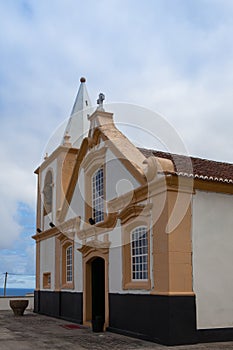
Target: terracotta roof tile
point(196, 167)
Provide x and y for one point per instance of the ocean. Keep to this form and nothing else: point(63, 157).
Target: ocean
point(15, 291)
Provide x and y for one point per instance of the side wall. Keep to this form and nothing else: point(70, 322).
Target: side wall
point(163, 319)
point(213, 259)
point(47, 260)
point(66, 305)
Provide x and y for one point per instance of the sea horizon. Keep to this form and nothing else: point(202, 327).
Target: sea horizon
point(16, 291)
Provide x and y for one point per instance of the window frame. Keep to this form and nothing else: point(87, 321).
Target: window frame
point(94, 160)
point(97, 185)
point(47, 280)
point(137, 254)
point(69, 264)
point(66, 284)
point(127, 281)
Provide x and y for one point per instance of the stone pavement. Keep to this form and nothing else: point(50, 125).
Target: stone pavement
point(36, 332)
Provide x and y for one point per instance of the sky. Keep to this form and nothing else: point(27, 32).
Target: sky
point(170, 56)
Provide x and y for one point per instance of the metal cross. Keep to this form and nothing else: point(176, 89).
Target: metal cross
point(100, 100)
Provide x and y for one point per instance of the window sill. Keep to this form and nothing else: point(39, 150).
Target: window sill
point(108, 222)
point(68, 285)
point(137, 285)
point(46, 287)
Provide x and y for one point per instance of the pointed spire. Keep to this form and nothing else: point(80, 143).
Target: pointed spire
point(78, 124)
point(82, 100)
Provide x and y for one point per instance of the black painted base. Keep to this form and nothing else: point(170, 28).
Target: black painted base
point(168, 320)
point(65, 305)
point(215, 335)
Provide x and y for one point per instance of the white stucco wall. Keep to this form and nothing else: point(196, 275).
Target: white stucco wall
point(77, 203)
point(5, 302)
point(47, 259)
point(115, 265)
point(118, 179)
point(115, 260)
point(78, 272)
point(213, 259)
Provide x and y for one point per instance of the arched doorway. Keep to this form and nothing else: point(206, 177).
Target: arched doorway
point(98, 288)
point(95, 292)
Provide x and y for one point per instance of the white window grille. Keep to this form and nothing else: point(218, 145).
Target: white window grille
point(69, 264)
point(98, 195)
point(139, 253)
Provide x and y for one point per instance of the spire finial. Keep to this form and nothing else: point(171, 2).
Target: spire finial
point(66, 139)
point(82, 80)
point(100, 101)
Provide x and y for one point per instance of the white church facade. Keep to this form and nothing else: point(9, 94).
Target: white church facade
point(140, 238)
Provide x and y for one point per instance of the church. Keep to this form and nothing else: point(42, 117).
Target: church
point(140, 238)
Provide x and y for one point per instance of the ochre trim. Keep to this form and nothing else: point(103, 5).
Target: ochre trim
point(68, 228)
point(65, 245)
point(123, 149)
point(190, 184)
point(94, 246)
point(130, 212)
point(55, 155)
point(88, 256)
point(87, 142)
point(172, 252)
point(138, 195)
point(93, 161)
point(134, 211)
point(102, 227)
point(109, 221)
point(65, 166)
point(101, 114)
point(46, 234)
point(174, 293)
point(213, 186)
point(127, 282)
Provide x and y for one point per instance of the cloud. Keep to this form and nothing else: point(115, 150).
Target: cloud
point(174, 57)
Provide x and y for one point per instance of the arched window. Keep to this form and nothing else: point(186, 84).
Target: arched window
point(48, 193)
point(98, 195)
point(136, 247)
point(139, 254)
point(68, 264)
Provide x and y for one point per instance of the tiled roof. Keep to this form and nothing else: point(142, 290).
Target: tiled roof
point(196, 167)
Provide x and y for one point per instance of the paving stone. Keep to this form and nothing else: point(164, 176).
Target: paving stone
point(33, 331)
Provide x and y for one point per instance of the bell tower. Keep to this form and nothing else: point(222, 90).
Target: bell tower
point(55, 172)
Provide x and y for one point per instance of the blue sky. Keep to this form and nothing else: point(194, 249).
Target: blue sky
point(171, 56)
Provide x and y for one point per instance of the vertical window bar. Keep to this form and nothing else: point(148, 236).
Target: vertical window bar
point(98, 195)
point(69, 264)
point(139, 254)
